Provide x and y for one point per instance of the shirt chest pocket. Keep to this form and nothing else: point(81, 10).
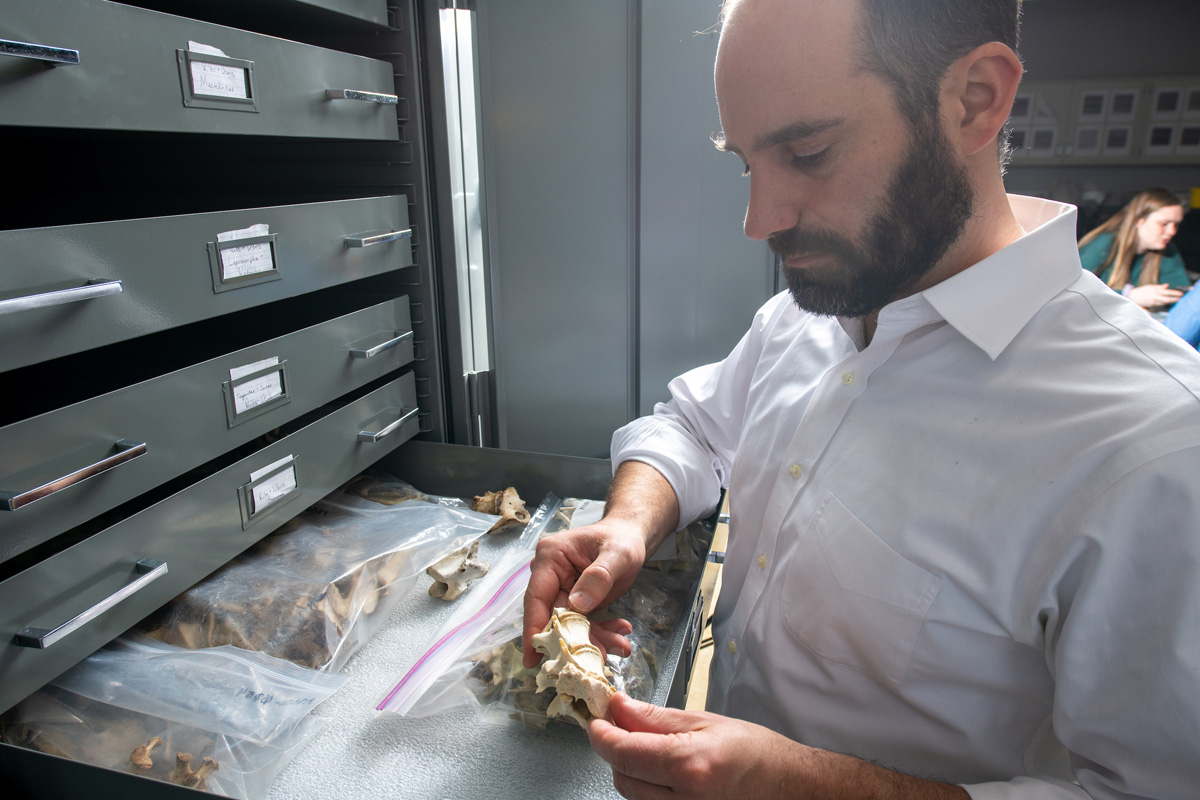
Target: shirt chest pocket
point(852, 599)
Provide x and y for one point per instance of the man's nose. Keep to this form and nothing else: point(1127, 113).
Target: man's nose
point(773, 208)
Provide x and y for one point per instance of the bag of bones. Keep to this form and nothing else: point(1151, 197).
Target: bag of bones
point(317, 589)
point(222, 720)
point(475, 659)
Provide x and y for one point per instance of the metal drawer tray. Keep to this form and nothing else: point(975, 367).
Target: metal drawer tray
point(532, 766)
point(107, 66)
point(193, 532)
point(72, 288)
point(143, 435)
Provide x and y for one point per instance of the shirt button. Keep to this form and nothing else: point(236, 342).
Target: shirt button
point(762, 562)
point(732, 647)
point(795, 471)
point(847, 378)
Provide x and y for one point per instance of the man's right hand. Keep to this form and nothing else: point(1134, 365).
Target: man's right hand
point(586, 568)
point(583, 569)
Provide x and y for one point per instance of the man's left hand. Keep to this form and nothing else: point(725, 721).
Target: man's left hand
point(657, 753)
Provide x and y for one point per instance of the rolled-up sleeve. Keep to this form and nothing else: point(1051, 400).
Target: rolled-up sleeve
point(691, 439)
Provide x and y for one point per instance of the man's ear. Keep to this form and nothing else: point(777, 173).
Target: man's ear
point(977, 95)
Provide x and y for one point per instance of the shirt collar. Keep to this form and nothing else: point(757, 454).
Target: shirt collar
point(991, 301)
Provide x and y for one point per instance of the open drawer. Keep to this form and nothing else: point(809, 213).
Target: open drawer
point(455, 755)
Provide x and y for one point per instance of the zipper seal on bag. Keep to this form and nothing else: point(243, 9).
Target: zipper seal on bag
point(449, 646)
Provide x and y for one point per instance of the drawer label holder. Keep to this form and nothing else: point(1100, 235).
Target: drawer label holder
point(269, 488)
point(242, 262)
point(216, 82)
point(249, 393)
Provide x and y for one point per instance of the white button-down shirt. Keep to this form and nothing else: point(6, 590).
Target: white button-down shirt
point(969, 551)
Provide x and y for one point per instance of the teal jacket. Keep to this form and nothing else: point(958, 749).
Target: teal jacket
point(1170, 270)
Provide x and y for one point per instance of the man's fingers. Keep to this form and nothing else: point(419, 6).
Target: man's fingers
point(610, 636)
point(638, 717)
point(596, 583)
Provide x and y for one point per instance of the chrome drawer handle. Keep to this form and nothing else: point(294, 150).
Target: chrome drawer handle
point(366, 97)
point(57, 298)
point(359, 352)
point(369, 436)
point(39, 52)
point(149, 571)
point(126, 451)
point(372, 239)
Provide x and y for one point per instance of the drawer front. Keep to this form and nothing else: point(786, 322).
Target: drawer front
point(137, 71)
point(198, 413)
point(193, 532)
point(133, 277)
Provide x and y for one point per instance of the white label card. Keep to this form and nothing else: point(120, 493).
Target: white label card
point(274, 487)
point(218, 80)
point(247, 259)
point(250, 259)
point(255, 392)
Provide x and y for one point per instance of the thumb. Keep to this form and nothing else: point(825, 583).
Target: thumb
point(638, 717)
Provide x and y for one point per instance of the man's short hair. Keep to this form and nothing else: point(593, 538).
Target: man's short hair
point(911, 43)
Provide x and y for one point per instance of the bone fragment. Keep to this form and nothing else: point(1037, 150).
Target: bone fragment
point(140, 758)
point(184, 775)
point(508, 504)
point(182, 769)
point(574, 668)
point(456, 571)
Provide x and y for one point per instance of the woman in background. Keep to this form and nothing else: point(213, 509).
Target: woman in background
point(1132, 251)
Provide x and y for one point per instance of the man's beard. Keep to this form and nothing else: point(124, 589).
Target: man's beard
point(927, 205)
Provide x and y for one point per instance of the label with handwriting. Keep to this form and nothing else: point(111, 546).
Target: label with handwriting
point(256, 391)
point(274, 487)
point(218, 80)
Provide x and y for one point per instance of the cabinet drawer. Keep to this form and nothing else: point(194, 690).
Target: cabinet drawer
point(71, 288)
point(136, 70)
point(182, 420)
point(192, 532)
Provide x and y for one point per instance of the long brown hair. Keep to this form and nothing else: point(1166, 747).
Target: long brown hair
point(1123, 226)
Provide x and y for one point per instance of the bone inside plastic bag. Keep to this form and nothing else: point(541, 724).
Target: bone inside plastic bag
point(231, 717)
point(317, 589)
point(475, 659)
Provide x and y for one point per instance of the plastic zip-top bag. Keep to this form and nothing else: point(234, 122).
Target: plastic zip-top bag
point(317, 589)
point(222, 720)
point(432, 684)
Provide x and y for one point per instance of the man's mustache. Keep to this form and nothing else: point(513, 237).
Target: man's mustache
point(797, 242)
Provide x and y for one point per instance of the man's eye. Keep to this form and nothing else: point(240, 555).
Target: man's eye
point(810, 159)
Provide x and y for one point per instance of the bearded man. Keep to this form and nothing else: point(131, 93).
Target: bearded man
point(962, 473)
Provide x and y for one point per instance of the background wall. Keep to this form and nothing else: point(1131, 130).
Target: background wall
point(1084, 39)
point(616, 254)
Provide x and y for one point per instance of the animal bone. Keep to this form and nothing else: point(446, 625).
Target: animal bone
point(456, 571)
point(184, 775)
point(508, 504)
point(140, 758)
point(199, 779)
point(182, 770)
point(574, 667)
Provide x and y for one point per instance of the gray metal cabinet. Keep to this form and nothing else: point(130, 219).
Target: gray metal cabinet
point(260, 370)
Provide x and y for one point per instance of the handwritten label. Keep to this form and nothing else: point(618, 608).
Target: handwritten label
point(276, 486)
point(218, 80)
point(237, 262)
point(247, 259)
point(253, 393)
